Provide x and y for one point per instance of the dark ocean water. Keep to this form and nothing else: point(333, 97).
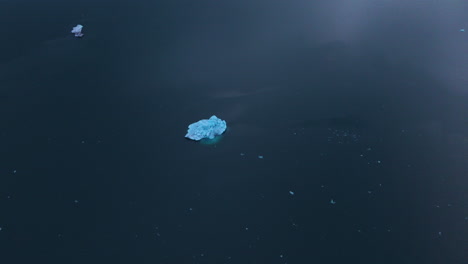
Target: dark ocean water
point(363, 103)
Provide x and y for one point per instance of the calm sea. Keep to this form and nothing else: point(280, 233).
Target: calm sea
point(346, 142)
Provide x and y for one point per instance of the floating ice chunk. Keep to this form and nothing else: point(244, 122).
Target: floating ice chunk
point(332, 201)
point(291, 192)
point(260, 157)
point(206, 128)
point(77, 31)
point(462, 30)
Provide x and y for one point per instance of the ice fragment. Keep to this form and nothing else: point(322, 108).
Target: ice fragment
point(77, 31)
point(206, 128)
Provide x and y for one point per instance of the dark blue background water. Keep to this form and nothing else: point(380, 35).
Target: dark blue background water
point(363, 103)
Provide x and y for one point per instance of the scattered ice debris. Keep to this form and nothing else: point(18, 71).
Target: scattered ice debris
point(281, 256)
point(291, 192)
point(440, 233)
point(246, 229)
point(362, 155)
point(369, 192)
point(76, 201)
point(380, 184)
point(242, 154)
point(359, 230)
point(378, 162)
point(369, 149)
point(157, 232)
point(342, 136)
point(260, 157)
point(322, 186)
point(82, 142)
point(0, 228)
point(14, 171)
point(332, 201)
point(206, 128)
point(77, 31)
point(462, 30)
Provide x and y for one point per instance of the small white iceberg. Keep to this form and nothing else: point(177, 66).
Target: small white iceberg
point(206, 128)
point(77, 31)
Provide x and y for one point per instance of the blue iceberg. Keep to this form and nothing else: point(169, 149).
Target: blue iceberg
point(77, 31)
point(206, 128)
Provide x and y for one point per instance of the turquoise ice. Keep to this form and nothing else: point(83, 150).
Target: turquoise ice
point(206, 128)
